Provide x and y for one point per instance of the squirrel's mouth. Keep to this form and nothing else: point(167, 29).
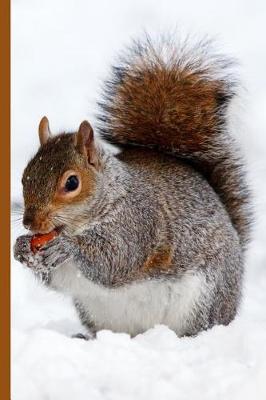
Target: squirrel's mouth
point(59, 229)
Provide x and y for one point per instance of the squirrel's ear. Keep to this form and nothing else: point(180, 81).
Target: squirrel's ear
point(84, 142)
point(44, 130)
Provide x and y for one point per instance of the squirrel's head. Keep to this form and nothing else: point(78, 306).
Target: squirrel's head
point(60, 177)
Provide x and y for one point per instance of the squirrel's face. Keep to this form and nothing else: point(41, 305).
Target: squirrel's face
point(59, 179)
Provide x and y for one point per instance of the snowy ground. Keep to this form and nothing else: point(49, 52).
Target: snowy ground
point(61, 50)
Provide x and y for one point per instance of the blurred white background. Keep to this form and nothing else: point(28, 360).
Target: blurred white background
point(61, 50)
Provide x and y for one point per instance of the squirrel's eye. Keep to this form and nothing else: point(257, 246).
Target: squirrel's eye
point(72, 183)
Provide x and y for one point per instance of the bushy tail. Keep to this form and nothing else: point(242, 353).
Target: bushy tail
point(175, 98)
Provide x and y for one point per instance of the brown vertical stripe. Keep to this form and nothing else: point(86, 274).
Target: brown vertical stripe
point(5, 200)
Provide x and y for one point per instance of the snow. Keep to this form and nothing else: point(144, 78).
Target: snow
point(61, 50)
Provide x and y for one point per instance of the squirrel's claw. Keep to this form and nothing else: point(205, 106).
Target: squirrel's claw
point(56, 252)
point(22, 251)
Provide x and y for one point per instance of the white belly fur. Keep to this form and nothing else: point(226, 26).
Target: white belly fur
point(135, 307)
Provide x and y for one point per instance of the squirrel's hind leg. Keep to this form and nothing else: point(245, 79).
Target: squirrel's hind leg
point(85, 336)
point(86, 321)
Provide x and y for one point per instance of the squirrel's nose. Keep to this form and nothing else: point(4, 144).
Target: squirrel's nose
point(27, 221)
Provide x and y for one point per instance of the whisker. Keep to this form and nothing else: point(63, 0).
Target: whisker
point(17, 207)
point(16, 223)
point(16, 215)
point(70, 221)
point(16, 218)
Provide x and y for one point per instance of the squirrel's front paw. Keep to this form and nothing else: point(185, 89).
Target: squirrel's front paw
point(23, 253)
point(55, 252)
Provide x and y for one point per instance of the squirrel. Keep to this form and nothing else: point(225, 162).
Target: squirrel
point(156, 232)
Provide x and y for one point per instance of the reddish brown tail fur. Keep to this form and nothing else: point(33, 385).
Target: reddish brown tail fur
point(175, 99)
